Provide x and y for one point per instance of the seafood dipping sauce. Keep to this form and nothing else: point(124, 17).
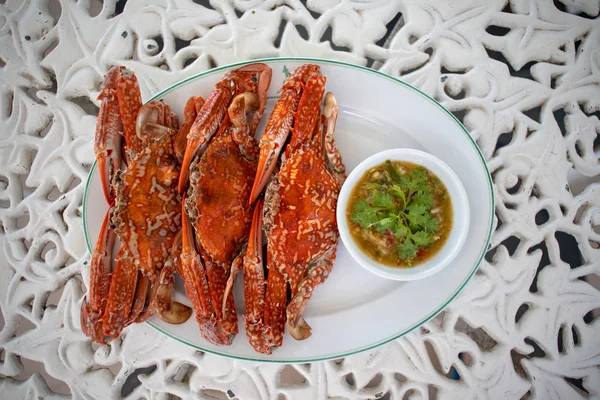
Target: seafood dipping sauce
point(399, 214)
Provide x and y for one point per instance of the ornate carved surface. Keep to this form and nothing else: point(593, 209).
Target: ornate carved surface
point(523, 76)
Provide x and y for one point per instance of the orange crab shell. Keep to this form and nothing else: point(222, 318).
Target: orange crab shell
point(147, 214)
point(300, 219)
point(220, 186)
point(156, 210)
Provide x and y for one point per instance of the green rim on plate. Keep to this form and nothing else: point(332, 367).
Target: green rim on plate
point(381, 342)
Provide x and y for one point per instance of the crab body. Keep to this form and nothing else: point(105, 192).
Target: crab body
point(300, 225)
point(217, 204)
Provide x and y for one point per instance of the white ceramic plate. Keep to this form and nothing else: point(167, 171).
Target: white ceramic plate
point(354, 310)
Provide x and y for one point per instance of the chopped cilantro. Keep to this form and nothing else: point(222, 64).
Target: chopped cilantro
point(392, 171)
point(400, 207)
point(382, 199)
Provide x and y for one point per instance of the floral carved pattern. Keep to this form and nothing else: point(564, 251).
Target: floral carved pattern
point(522, 75)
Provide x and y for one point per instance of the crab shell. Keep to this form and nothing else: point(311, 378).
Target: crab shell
point(147, 213)
point(299, 219)
point(217, 202)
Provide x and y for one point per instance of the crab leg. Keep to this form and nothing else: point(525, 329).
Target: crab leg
point(151, 307)
point(316, 275)
point(91, 324)
point(276, 297)
point(330, 113)
point(169, 310)
point(139, 299)
point(279, 126)
point(120, 295)
point(265, 309)
point(254, 284)
point(100, 267)
point(197, 289)
point(217, 281)
point(236, 267)
point(149, 311)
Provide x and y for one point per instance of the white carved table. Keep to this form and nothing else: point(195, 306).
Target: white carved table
point(523, 76)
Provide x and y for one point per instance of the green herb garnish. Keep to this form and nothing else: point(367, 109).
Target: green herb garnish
point(398, 205)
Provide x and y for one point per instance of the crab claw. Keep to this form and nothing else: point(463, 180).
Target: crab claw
point(213, 110)
point(130, 102)
point(330, 113)
point(241, 105)
point(155, 121)
point(308, 114)
point(107, 139)
point(189, 115)
point(167, 309)
point(264, 81)
point(254, 284)
point(100, 271)
point(297, 88)
point(270, 148)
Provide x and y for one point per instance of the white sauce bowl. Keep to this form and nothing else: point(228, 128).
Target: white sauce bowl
point(460, 211)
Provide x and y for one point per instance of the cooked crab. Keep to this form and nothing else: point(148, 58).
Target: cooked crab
point(299, 211)
point(144, 213)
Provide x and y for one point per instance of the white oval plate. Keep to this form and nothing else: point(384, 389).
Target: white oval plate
point(354, 310)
